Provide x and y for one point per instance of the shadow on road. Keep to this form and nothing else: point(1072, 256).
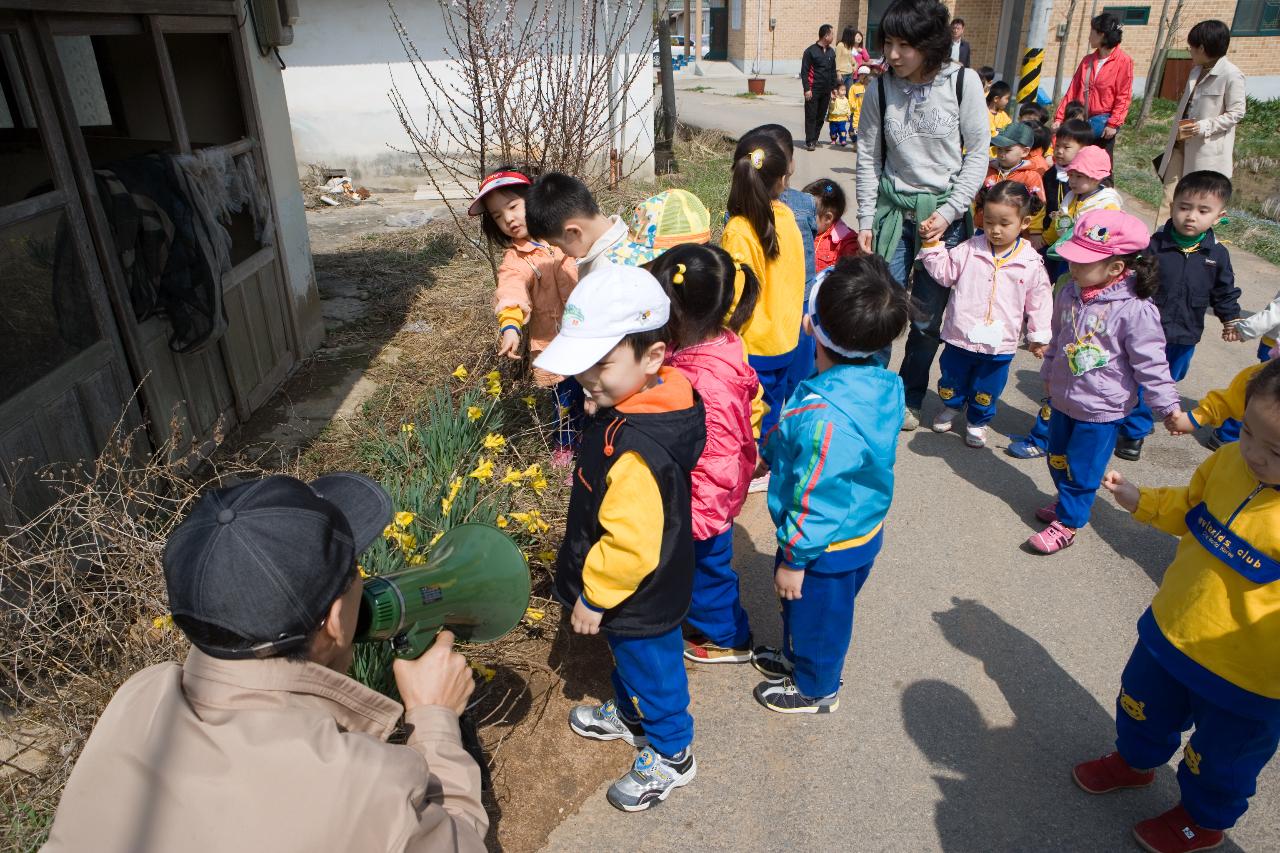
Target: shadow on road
point(1009, 788)
point(992, 472)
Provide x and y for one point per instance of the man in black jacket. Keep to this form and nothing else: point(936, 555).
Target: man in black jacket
point(959, 47)
point(818, 76)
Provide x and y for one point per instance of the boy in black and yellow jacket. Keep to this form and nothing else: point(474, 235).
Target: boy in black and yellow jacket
point(626, 565)
point(1208, 652)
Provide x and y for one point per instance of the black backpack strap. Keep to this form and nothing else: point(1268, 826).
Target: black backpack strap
point(884, 146)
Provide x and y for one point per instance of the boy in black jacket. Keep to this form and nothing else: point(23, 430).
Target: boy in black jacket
point(626, 564)
point(1195, 273)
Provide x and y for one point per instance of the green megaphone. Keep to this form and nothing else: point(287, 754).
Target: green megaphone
point(475, 583)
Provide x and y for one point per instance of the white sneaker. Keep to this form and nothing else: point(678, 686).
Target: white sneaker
point(942, 423)
point(975, 436)
point(910, 420)
point(759, 484)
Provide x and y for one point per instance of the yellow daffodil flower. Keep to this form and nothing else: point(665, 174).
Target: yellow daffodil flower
point(520, 517)
point(547, 556)
point(534, 470)
point(407, 428)
point(501, 522)
point(475, 413)
point(162, 623)
point(533, 614)
point(538, 484)
point(364, 573)
point(512, 477)
point(485, 672)
point(483, 471)
point(461, 373)
point(404, 519)
point(531, 401)
point(493, 441)
point(389, 532)
point(436, 538)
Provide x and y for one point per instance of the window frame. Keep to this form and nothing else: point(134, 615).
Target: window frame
point(1253, 9)
point(1124, 13)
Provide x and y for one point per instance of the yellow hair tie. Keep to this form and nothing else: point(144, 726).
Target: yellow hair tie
point(757, 159)
point(678, 278)
point(738, 276)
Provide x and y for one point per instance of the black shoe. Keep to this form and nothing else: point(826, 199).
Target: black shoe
point(810, 146)
point(1129, 449)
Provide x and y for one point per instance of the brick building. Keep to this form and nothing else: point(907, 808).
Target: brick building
point(768, 36)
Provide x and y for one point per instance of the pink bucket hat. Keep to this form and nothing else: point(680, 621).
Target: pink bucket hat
point(1101, 234)
point(1092, 162)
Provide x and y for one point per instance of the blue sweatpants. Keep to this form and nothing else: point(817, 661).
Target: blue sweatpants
point(569, 413)
point(1039, 435)
point(773, 371)
point(1079, 453)
point(974, 378)
point(803, 364)
point(1230, 429)
point(716, 610)
point(1220, 763)
point(649, 684)
point(817, 626)
point(1141, 422)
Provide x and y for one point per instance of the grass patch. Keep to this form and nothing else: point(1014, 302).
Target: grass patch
point(747, 96)
point(1256, 199)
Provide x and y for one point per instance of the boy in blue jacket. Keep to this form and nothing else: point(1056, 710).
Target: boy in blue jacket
point(831, 457)
point(1195, 274)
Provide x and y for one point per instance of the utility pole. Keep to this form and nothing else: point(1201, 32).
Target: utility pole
point(697, 37)
point(666, 145)
point(1062, 52)
point(687, 11)
point(1033, 59)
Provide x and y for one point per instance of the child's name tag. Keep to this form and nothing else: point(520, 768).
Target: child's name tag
point(991, 334)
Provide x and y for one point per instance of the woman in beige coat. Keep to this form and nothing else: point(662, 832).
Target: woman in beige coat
point(1203, 135)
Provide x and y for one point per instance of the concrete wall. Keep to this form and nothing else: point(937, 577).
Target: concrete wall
point(346, 58)
point(278, 148)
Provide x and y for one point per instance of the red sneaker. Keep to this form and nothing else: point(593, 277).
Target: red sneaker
point(1175, 832)
point(1110, 773)
point(1048, 514)
point(1053, 538)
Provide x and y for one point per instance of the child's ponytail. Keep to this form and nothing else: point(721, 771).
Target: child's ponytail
point(759, 167)
point(702, 282)
point(1146, 273)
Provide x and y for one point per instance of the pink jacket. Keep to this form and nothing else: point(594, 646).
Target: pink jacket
point(719, 372)
point(1021, 288)
point(536, 280)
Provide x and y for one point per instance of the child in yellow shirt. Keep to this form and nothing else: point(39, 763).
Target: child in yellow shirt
point(838, 116)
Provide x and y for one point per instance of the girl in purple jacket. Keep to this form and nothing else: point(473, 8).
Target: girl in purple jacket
point(1107, 341)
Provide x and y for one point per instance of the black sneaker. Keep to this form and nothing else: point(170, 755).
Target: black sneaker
point(771, 663)
point(1129, 449)
point(651, 780)
point(785, 698)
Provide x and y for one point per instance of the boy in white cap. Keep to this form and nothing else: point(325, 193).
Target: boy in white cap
point(626, 564)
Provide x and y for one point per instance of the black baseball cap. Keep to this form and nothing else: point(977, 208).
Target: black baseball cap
point(265, 560)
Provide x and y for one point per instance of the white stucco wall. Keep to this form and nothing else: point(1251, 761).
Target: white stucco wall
point(344, 60)
point(278, 149)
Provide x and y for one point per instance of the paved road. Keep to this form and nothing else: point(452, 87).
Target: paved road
point(978, 675)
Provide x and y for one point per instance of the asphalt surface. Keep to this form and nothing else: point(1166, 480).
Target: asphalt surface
point(979, 673)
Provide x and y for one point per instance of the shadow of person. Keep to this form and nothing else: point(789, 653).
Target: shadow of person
point(755, 587)
point(583, 662)
point(1009, 788)
point(991, 472)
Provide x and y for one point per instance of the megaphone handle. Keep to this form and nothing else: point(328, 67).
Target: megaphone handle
point(413, 642)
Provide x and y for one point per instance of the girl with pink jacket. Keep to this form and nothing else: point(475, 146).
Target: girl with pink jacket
point(702, 281)
point(996, 279)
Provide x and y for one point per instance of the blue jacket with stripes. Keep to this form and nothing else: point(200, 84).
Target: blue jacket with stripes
point(831, 460)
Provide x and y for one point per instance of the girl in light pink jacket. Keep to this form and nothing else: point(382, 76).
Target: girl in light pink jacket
point(997, 278)
point(702, 281)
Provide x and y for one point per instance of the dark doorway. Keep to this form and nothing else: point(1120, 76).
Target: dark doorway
point(719, 48)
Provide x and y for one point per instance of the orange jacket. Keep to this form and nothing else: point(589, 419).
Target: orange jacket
point(534, 282)
point(1024, 174)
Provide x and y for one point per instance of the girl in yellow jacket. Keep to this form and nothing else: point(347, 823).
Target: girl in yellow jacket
point(763, 234)
point(1208, 652)
point(534, 282)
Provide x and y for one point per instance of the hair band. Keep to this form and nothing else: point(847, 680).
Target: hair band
point(678, 278)
point(757, 159)
point(821, 333)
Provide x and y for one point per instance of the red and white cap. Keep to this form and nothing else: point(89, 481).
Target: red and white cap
point(496, 181)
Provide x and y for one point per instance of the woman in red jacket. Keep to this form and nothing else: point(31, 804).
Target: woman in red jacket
point(1103, 81)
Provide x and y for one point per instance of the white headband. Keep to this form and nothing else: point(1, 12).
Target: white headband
point(821, 333)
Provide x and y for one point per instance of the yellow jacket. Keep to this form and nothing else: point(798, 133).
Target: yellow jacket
point(1221, 404)
point(1215, 621)
point(774, 327)
point(856, 92)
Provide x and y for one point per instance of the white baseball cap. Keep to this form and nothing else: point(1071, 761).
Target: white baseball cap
point(612, 302)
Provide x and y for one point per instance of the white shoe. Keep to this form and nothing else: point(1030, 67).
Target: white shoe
point(910, 420)
point(975, 436)
point(759, 484)
point(942, 423)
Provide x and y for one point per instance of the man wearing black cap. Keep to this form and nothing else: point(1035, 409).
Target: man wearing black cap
point(260, 741)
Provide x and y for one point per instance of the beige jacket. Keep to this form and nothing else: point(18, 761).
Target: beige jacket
point(267, 755)
point(1218, 105)
point(616, 235)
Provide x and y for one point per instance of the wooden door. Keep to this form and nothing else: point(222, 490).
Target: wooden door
point(65, 380)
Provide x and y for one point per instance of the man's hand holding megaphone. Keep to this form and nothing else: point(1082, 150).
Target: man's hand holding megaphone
point(440, 676)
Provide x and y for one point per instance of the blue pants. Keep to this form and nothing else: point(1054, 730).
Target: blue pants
point(1079, 453)
point(975, 378)
point(1039, 435)
point(649, 684)
point(931, 298)
point(774, 371)
point(840, 132)
point(804, 364)
point(817, 627)
point(569, 413)
point(716, 611)
point(1220, 764)
point(1140, 422)
point(1230, 429)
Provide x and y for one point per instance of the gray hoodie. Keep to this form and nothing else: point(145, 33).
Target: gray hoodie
point(924, 143)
